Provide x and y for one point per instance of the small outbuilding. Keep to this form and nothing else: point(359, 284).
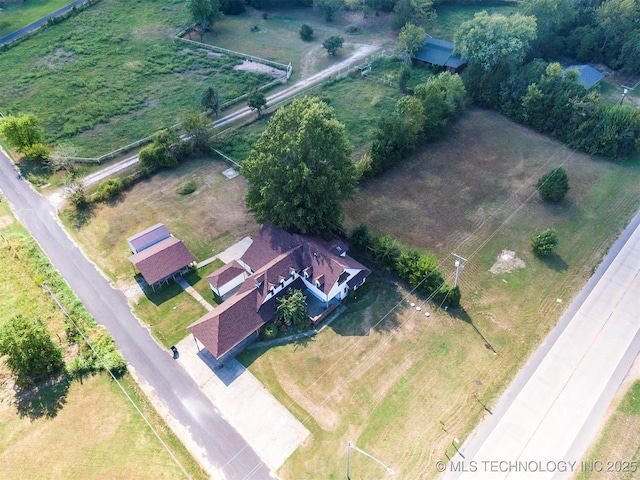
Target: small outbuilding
point(163, 261)
point(148, 237)
point(226, 278)
point(587, 75)
point(439, 52)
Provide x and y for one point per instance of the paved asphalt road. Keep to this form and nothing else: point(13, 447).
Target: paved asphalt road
point(547, 418)
point(38, 23)
point(223, 447)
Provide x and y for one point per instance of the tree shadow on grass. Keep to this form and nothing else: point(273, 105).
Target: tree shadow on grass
point(162, 293)
point(44, 399)
point(554, 262)
point(371, 307)
point(81, 216)
point(461, 314)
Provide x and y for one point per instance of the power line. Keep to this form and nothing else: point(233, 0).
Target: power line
point(104, 365)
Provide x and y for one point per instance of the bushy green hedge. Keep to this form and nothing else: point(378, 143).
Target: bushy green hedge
point(418, 270)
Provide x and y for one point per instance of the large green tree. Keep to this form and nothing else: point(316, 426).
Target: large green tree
point(418, 12)
point(553, 18)
point(31, 354)
point(300, 170)
point(495, 40)
point(619, 24)
point(411, 39)
point(333, 43)
point(442, 97)
point(257, 101)
point(204, 13)
point(329, 7)
point(292, 308)
point(21, 131)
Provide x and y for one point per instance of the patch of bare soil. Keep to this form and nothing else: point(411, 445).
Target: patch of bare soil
point(58, 58)
point(507, 262)
point(255, 67)
point(308, 61)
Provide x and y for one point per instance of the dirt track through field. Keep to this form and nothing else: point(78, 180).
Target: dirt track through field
point(360, 53)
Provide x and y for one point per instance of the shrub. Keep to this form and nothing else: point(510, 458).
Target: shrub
point(37, 152)
point(361, 238)
point(270, 331)
point(545, 242)
point(111, 188)
point(306, 32)
point(352, 30)
point(553, 185)
point(187, 187)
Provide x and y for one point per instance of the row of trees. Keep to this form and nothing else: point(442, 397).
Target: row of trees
point(540, 94)
point(418, 270)
point(416, 118)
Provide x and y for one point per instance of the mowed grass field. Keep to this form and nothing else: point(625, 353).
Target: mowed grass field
point(72, 429)
point(384, 375)
point(17, 13)
point(112, 75)
point(616, 454)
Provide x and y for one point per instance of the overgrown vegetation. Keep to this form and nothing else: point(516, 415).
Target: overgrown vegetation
point(123, 71)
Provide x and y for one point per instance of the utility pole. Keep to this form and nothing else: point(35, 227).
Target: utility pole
point(459, 266)
point(625, 90)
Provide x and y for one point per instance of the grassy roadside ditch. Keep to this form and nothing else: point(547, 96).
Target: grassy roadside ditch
point(70, 420)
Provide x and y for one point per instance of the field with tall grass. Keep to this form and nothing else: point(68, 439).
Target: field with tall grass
point(112, 74)
point(77, 428)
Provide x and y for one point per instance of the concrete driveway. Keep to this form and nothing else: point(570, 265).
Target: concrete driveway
point(267, 426)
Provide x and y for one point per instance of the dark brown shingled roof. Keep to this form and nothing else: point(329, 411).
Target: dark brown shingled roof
point(313, 252)
point(225, 274)
point(273, 256)
point(161, 260)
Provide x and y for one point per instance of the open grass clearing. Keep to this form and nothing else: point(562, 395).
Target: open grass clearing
point(616, 454)
point(385, 380)
point(82, 429)
point(359, 113)
point(278, 38)
point(112, 75)
point(16, 14)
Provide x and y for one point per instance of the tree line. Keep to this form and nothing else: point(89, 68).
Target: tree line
point(539, 93)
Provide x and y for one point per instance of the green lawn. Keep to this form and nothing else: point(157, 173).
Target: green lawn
point(384, 375)
point(359, 113)
point(112, 75)
point(81, 429)
point(16, 14)
point(617, 449)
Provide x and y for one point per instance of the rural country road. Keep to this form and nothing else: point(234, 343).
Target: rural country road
point(548, 417)
point(38, 23)
point(363, 51)
point(194, 419)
